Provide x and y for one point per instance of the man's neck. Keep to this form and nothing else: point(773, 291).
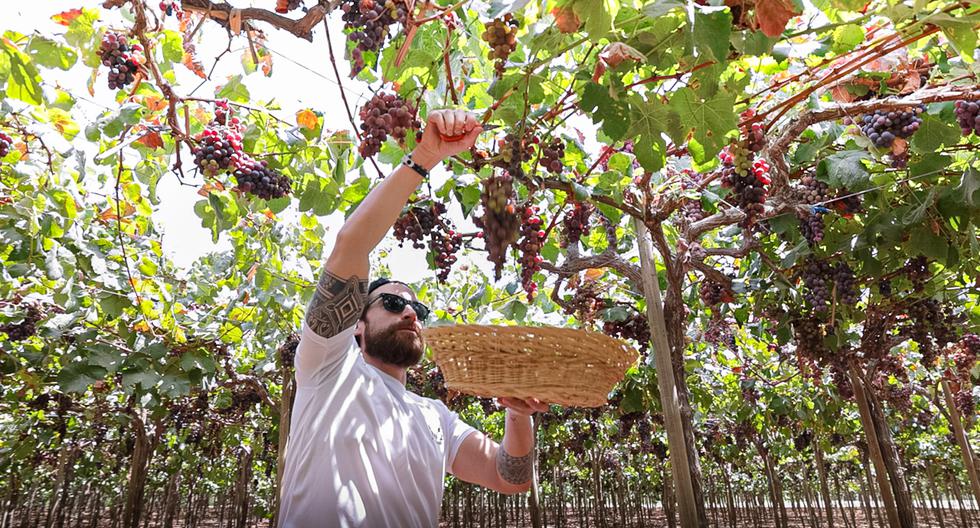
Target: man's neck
point(392, 370)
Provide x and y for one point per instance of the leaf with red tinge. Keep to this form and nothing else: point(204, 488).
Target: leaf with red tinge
point(773, 15)
point(65, 17)
point(152, 140)
point(566, 20)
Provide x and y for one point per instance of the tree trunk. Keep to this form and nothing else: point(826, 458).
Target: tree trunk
point(691, 509)
point(285, 417)
point(893, 465)
point(136, 487)
point(824, 488)
point(966, 451)
point(535, 505)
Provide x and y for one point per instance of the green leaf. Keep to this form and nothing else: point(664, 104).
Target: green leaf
point(708, 119)
point(23, 79)
point(173, 46)
point(659, 8)
point(925, 242)
point(969, 185)
point(929, 165)
point(845, 169)
point(50, 53)
point(78, 375)
point(613, 114)
point(597, 15)
point(711, 30)
point(234, 90)
point(847, 37)
point(81, 30)
point(933, 133)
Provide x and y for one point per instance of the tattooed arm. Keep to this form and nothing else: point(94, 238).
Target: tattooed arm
point(504, 467)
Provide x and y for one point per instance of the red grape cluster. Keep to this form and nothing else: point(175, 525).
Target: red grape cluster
point(755, 138)
point(747, 178)
point(635, 327)
point(964, 355)
point(883, 126)
point(713, 293)
point(812, 191)
point(170, 8)
point(218, 148)
point(719, 331)
point(500, 222)
point(5, 143)
point(514, 151)
point(586, 302)
point(917, 271)
point(119, 56)
point(385, 114)
point(257, 178)
point(368, 22)
point(575, 223)
point(417, 223)
point(552, 154)
point(966, 116)
point(532, 238)
point(501, 35)
point(24, 329)
point(929, 326)
point(444, 246)
point(287, 351)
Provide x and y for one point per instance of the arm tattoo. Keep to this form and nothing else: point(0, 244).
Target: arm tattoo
point(336, 305)
point(515, 470)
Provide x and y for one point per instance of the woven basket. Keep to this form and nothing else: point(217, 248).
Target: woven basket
point(570, 367)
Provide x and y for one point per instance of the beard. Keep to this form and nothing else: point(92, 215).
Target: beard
point(402, 349)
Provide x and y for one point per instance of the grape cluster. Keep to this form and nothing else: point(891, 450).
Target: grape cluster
point(847, 204)
point(368, 22)
point(883, 126)
point(218, 148)
point(917, 271)
point(552, 154)
point(719, 331)
point(501, 35)
point(6, 142)
point(845, 284)
point(417, 223)
point(444, 246)
point(575, 223)
point(803, 440)
point(285, 6)
point(501, 223)
point(635, 327)
point(514, 151)
point(385, 114)
point(965, 354)
point(747, 178)
point(812, 226)
point(816, 275)
point(755, 138)
point(257, 178)
point(287, 351)
point(170, 8)
point(928, 326)
point(532, 238)
point(812, 191)
point(713, 293)
point(586, 302)
point(119, 56)
point(24, 329)
point(966, 116)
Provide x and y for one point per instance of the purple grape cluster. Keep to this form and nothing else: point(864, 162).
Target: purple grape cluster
point(6, 142)
point(368, 24)
point(118, 55)
point(883, 126)
point(386, 114)
point(255, 177)
point(966, 116)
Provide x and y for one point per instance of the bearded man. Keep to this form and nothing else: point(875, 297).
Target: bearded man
point(363, 451)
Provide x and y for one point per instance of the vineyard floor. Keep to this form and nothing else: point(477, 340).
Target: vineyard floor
point(952, 518)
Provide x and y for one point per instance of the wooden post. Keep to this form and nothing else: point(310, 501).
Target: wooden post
point(535, 505)
point(680, 465)
point(969, 462)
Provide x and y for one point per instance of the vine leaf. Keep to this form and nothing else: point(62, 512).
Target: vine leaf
point(706, 120)
point(772, 16)
point(969, 185)
point(651, 119)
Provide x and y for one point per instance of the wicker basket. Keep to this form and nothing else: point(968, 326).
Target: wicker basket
point(570, 367)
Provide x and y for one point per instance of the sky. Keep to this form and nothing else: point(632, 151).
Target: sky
point(302, 78)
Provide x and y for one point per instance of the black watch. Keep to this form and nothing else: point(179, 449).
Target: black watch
point(410, 163)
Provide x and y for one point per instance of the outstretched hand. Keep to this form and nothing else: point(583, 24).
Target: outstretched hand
point(446, 124)
point(523, 406)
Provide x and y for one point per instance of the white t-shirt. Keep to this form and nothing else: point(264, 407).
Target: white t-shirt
point(363, 451)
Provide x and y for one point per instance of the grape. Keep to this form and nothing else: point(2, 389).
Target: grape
point(747, 179)
point(719, 331)
point(846, 284)
point(530, 246)
point(575, 223)
point(847, 204)
point(586, 302)
point(928, 326)
point(803, 440)
point(501, 35)
point(812, 191)
point(170, 8)
point(257, 178)
point(812, 226)
point(551, 156)
point(635, 327)
point(417, 223)
point(756, 138)
point(6, 142)
point(386, 114)
point(917, 270)
point(118, 55)
point(26, 328)
point(500, 221)
point(367, 23)
point(966, 116)
point(713, 293)
point(816, 275)
point(444, 246)
point(218, 148)
point(883, 126)
point(965, 354)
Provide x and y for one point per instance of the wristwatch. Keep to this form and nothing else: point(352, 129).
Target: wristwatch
point(410, 163)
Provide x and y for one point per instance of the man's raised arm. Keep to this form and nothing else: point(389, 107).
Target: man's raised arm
point(342, 289)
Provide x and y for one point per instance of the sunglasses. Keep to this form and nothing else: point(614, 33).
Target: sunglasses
point(395, 304)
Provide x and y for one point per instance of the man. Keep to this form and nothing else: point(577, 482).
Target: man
point(363, 451)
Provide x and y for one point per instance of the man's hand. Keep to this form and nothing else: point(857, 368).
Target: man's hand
point(446, 123)
point(523, 406)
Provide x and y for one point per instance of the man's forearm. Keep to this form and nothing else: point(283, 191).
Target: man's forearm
point(368, 224)
point(516, 452)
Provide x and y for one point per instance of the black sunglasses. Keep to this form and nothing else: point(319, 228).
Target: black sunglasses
point(395, 304)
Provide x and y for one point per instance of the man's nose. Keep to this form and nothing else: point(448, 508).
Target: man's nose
point(408, 314)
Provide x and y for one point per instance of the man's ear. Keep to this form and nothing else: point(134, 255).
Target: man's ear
point(359, 331)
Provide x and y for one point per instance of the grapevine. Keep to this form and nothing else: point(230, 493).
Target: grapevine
point(24, 329)
point(368, 24)
point(966, 117)
point(634, 327)
point(747, 178)
point(218, 148)
point(386, 114)
point(501, 35)
point(575, 223)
